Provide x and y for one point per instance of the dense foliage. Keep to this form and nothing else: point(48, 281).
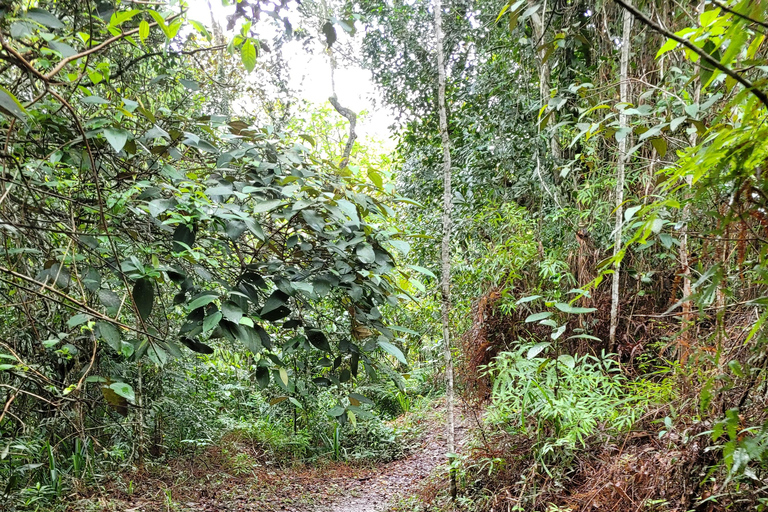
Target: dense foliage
point(189, 250)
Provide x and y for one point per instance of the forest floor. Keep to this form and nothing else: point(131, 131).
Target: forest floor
point(211, 482)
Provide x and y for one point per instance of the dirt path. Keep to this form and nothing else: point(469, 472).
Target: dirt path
point(399, 478)
point(214, 482)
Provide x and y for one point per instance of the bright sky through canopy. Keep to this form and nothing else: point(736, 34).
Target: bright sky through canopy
point(310, 74)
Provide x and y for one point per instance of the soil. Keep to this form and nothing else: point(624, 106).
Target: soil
point(399, 478)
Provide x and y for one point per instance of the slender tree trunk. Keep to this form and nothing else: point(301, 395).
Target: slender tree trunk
point(446, 245)
point(624, 98)
point(684, 342)
point(538, 22)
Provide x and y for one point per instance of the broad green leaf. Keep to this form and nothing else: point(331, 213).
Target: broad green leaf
point(318, 339)
point(78, 319)
point(567, 308)
point(212, 321)
point(248, 55)
point(538, 316)
point(558, 332)
point(423, 270)
point(110, 334)
point(283, 375)
point(117, 137)
point(265, 206)
point(391, 349)
point(10, 106)
point(94, 100)
point(44, 17)
point(124, 390)
point(201, 301)
point(278, 399)
point(567, 360)
point(144, 297)
point(143, 30)
point(630, 212)
point(660, 144)
point(365, 253)
point(376, 178)
point(671, 44)
point(262, 377)
point(62, 48)
point(537, 349)
point(530, 298)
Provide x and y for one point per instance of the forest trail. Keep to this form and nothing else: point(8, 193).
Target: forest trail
point(400, 478)
point(207, 483)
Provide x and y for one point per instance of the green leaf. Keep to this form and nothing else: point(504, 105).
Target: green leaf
point(124, 390)
point(538, 316)
point(201, 301)
point(318, 339)
point(584, 337)
point(211, 321)
point(183, 237)
point(10, 106)
point(558, 332)
point(423, 270)
point(275, 301)
point(143, 30)
point(62, 48)
point(196, 346)
point(365, 253)
point(537, 349)
point(376, 178)
point(248, 55)
point(117, 137)
point(262, 377)
point(630, 212)
point(76, 320)
point(94, 100)
point(144, 297)
point(110, 334)
point(567, 308)
point(671, 44)
point(283, 375)
point(361, 398)
point(265, 206)
point(44, 17)
point(660, 144)
point(530, 298)
point(567, 360)
point(391, 349)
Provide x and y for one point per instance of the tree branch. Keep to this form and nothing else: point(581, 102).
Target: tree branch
point(761, 95)
point(352, 118)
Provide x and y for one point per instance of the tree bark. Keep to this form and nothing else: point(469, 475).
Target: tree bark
point(538, 22)
point(624, 98)
point(685, 341)
point(446, 242)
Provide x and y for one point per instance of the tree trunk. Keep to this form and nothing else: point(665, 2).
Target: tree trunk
point(538, 22)
point(624, 98)
point(446, 245)
point(684, 341)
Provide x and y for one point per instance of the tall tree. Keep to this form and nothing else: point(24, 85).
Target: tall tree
point(620, 166)
point(446, 245)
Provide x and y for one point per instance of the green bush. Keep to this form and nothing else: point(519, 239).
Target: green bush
point(562, 401)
